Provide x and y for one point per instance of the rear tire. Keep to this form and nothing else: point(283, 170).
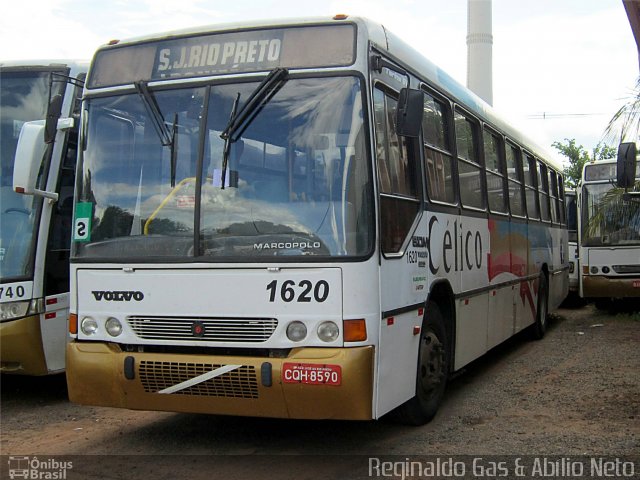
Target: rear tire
point(432, 370)
point(539, 328)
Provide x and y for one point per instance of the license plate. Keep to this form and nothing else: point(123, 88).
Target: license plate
point(312, 374)
point(636, 284)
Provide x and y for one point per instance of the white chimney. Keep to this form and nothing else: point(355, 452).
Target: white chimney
point(479, 49)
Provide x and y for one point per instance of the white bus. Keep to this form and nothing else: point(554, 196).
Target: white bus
point(292, 220)
point(35, 233)
point(609, 236)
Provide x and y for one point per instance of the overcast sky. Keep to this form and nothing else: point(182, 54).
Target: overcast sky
point(573, 61)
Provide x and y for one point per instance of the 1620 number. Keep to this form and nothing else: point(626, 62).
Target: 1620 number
point(304, 291)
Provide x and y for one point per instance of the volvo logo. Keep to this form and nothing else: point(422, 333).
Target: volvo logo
point(117, 296)
point(197, 329)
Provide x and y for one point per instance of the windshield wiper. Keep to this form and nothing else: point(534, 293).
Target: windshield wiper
point(167, 137)
point(227, 142)
point(239, 121)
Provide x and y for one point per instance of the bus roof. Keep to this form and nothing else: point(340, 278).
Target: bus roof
point(384, 40)
point(45, 63)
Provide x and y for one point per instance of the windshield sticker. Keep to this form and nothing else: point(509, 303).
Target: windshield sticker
point(217, 178)
point(186, 201)
point(82, 222)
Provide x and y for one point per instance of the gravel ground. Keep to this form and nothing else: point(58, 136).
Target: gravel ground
point(576, 392)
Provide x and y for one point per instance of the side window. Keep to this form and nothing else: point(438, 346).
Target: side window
point(495, 171)
point(437, 151)
point(561, 201)
point(397, 172)
point(543, 191)
point(553, 196)
point(516, 186)
point(530, 174)
point(572, 217)
point(469, 169)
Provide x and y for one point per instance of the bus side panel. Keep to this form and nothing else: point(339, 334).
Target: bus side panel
point(403, 284)
point(559, 273)
point(53, 324)
point(397, 361)
point(501, 273)
point(472, 246)
point(472, 327)
point(524, 297)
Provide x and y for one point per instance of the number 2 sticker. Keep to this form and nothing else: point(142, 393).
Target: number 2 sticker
point(82, 222)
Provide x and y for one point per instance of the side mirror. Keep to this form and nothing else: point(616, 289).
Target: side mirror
point(409, 112)
point(627, 165)
point(29, 156)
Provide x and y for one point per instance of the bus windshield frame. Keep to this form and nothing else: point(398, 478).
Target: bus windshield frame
point(298, 183)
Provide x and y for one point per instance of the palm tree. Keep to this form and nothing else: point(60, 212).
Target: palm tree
point(625, 123)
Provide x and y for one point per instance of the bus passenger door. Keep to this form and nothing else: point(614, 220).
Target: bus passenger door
point(53, 323)
point(402, 280)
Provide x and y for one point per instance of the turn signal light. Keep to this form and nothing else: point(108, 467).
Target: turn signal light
point(354, 330)
point(73, 324)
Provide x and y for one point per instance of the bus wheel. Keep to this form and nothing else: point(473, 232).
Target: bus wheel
point(539, 328)
point(432, 373)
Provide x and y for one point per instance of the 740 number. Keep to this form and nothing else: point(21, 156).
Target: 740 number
point(10, 292)
point(304, 291)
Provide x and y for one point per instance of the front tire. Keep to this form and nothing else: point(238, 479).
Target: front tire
point(432, 370)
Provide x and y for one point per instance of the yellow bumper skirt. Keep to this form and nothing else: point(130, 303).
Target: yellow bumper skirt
point(596, 286)
point(21, 349)
point(102, 374)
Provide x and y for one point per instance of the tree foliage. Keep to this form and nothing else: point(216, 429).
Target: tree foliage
point(625, 123)
point(578, 156)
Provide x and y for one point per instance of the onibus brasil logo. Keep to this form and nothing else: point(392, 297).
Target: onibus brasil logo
point(34, 468)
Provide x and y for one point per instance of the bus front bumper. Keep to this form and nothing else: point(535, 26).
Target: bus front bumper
point(21, 349)
point(102, 374)
point(599, 286)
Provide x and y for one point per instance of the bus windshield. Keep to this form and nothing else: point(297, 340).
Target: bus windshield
point(297, 181)
point(607, 219)
point(23, 98)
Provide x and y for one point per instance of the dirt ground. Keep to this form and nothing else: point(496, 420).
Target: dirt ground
point(576, 392)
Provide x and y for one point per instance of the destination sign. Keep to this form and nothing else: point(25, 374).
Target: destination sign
point(220, 53)
point(604, 172)
point(600, 172)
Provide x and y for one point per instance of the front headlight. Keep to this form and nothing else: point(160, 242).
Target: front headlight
point(113, 327)
point(88, 326)
point(12, 310)
point(328, 331)
point(296, 331)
